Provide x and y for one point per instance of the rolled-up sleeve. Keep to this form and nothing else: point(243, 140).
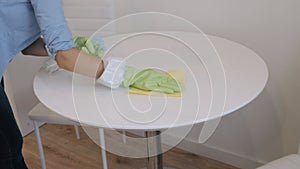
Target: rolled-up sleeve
point(53, 25)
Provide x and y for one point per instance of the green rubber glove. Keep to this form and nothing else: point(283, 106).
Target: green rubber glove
point(151, 80)
point(94, 46)
point(80, 41)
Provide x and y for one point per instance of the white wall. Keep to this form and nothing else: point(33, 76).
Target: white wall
point(268, 127)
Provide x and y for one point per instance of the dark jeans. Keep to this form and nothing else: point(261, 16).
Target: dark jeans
point(2, 82)
point(10, 137)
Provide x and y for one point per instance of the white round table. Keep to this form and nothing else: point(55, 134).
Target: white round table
point(79, 99)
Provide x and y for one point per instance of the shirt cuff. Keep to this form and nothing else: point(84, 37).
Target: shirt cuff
point(59, 39)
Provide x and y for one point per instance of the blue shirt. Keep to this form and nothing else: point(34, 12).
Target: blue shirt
point(24, 21)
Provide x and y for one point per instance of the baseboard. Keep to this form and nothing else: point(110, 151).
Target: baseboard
point(218, 154)
point(212, 152)
point(31, 129)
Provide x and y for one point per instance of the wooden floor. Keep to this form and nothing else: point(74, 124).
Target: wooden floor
point(64, 151)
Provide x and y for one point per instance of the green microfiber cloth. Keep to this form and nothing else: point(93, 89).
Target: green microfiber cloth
point(151, 80)
point(94, 46)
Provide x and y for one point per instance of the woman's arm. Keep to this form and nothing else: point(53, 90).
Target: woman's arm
point(86, 64)
point(80, 62)
point(59, 40)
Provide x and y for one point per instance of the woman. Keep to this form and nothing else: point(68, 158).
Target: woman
point(22, 23)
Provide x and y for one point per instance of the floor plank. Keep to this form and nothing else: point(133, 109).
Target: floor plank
point(64, 151)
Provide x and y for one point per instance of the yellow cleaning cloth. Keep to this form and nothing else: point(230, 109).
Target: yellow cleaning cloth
point(178, 75)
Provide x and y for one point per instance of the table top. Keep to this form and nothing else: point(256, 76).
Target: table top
point(219, 80)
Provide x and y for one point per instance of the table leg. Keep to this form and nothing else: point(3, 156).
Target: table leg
point(103, 148)
point(155, 158)
point(154, 147)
